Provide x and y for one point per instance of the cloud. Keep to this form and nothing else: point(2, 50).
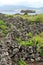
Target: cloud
point(33, 3)
point(10, 2)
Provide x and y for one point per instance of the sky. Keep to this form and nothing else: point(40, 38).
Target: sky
point(29, 3)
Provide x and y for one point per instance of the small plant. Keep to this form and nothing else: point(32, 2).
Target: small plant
point(4, 31)
point(29, 34)
point(21, 62)
point(3, 27)
point(2, 22)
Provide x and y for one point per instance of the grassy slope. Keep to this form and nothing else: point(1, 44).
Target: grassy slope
point(32, 18)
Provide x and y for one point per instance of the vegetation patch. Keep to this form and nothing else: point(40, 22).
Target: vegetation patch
point(21, 62)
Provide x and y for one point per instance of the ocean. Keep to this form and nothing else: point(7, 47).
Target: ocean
point(18, 12)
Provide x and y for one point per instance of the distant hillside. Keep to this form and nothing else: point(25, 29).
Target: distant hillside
point(41, 8)
point(12, 7)
point(8, 7)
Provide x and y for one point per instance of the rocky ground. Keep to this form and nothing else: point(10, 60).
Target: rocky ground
point(10, 50)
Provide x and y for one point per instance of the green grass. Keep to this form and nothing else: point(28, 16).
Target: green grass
point(33, 18)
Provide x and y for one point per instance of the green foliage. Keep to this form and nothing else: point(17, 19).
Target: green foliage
point(39, 39)
point(4, 31)
point(29, 34)
point(20, 41)
point(41, 53)
point(39, 18)
point(31, 18)
point(21, 62)
point(2, 22)
point(29, 43)
point(8, 15)
point(3, 27)
point(35, 40)
point(10, 26)
point(26, 43)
